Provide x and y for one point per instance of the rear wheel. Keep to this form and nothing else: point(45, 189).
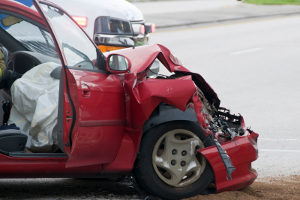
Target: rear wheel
point(168, 165)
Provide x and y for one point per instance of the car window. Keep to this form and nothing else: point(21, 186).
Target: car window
point(32, 37)
point(78, 50)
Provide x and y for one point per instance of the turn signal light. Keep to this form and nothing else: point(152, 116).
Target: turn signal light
point(153, 28)
point(105, 48)
point(81, 21)
point(143, 29)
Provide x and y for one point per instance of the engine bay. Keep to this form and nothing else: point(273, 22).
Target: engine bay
point(221, 121)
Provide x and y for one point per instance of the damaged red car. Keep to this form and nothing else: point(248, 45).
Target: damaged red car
point(71, 111)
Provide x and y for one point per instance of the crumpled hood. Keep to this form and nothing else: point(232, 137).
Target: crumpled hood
point(141, 58)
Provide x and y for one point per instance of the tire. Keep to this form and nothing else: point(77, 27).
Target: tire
point(163, 152)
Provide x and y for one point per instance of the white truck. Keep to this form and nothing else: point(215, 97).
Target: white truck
point(115, 23)
point(112, 24)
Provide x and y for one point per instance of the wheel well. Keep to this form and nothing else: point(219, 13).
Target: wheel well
point(166, 113)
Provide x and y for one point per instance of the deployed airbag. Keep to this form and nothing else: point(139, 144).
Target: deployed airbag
point(35, 107)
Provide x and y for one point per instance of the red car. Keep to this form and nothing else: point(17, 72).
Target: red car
point(169, 132)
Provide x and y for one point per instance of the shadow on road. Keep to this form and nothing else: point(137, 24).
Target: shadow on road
point(65, 189)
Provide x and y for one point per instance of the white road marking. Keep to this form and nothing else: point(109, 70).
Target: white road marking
point(246, 51)
point(280, 150)
point(278, 139)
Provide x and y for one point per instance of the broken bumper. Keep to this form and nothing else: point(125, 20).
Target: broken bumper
point(242, 151)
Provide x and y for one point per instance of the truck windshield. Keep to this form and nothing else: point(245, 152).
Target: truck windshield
point(78, 50)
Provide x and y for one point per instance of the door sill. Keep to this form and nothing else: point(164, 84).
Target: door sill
point(37, 155)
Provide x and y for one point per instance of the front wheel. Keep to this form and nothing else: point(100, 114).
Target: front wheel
point(168, 165)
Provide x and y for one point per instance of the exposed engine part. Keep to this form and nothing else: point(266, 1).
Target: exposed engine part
point(220, 119)
point(225, 128)
point(207, 108)
point(227, 124)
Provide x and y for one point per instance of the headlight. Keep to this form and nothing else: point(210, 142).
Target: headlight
point(138, 29)
point(113, 33)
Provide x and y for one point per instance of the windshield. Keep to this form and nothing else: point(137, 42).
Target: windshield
point(33, 37)
point(78, 50)
point(21, 33)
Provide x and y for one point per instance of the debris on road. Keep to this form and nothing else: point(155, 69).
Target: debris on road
point(263, 189)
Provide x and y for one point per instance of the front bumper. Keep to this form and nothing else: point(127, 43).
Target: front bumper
point(242, 151)
point(120, 41)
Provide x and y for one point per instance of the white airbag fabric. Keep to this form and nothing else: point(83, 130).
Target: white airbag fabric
point(35, 107)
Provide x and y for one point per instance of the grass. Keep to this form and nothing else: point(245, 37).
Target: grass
point(274, 2)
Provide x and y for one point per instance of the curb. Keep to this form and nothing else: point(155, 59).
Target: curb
point(226, 20)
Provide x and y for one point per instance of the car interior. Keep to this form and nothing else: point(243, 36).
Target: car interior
point(24, 45)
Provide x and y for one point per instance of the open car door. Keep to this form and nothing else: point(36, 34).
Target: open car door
point(91, 108)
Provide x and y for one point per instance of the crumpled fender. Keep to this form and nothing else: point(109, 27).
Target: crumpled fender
point(143, 97)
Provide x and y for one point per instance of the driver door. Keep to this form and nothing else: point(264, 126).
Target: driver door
point(93, 111)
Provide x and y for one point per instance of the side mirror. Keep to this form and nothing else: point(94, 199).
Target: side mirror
point(118, 64)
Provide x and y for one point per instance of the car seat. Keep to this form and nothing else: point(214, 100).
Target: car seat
point(11, 139)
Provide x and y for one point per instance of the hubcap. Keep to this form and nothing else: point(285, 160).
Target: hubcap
point(174, 158)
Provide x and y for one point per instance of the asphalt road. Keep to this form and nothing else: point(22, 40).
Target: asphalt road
point(182, 12)
point(254, 66)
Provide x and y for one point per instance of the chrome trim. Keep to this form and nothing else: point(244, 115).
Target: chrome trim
point(119, 40)
point(114, 40)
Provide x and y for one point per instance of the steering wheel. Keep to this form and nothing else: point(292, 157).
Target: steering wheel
point(22, 61)
point(4, 52)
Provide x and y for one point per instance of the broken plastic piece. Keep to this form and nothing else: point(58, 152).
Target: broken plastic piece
point(226, 160)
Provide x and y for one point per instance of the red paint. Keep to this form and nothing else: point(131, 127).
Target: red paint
point(111, 110)
point(40, 167)
point(242, 150)
point(96, 118)
point(142, 57)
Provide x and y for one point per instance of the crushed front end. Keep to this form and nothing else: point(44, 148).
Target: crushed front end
point(233, 147)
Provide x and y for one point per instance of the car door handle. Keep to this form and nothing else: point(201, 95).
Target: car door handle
point(69, 118)
point(85, 90)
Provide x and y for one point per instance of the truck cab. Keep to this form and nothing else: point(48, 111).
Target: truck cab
point(112, 25)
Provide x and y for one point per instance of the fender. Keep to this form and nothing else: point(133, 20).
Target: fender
point(145, 96)
point(143, 99)
point(165, 113)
